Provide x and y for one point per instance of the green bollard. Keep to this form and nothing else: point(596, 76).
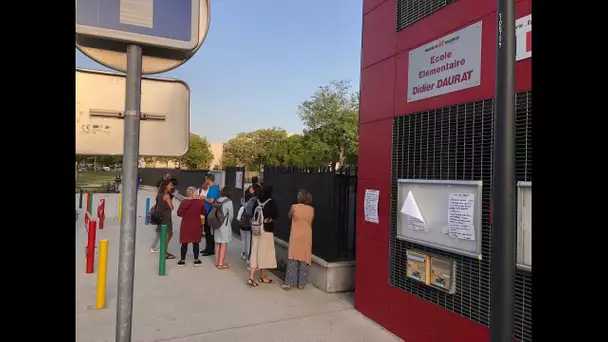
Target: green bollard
point(90, 203)
point(162, 255)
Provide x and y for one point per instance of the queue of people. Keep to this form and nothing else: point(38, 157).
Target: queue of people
point(209, 212)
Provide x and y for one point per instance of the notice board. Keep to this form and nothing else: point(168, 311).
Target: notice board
point(442, 214)
point(524, 225)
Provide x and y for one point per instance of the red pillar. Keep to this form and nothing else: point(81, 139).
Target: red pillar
point(90, 251)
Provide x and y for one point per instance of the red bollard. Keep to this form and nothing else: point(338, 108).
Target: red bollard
point(101, 214)
point(90, 251)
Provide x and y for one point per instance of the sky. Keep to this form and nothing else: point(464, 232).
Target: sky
point(262, 58)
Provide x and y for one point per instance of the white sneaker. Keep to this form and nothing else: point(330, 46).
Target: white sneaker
point(153, 250)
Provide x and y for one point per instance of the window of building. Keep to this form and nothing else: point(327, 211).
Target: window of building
point(410, 11)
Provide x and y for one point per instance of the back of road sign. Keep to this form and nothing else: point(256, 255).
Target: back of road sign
point(100, 103)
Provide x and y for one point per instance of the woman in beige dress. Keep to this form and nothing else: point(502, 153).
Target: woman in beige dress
point(263, 255)
point(299, 254)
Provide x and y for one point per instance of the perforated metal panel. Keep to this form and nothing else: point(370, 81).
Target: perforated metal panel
point(456, 143)
point(410, 11)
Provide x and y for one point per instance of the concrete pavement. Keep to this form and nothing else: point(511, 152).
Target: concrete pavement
point(206, 304)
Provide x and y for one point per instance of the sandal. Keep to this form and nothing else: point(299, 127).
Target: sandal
point(170, 256)
point(266, 280)
point(301, 287)
point(222, 267)
point(252, 283)
point(286, 287)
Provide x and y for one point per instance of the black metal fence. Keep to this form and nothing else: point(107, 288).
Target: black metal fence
point(333, 237)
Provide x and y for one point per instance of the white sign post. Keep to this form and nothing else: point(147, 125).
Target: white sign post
point(446, 65)
point(137, 37)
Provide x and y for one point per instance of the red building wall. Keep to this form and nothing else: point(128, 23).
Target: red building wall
point(384, 63)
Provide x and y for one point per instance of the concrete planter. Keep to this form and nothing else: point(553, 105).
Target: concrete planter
point(328, 276)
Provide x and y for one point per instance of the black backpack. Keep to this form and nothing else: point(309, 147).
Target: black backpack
point(155, 216)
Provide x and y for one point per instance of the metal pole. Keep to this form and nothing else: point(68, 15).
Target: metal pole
point(503, 197)
point(126, 261)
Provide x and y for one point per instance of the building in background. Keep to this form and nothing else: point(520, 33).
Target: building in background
point(426, 111)
point(218, 151)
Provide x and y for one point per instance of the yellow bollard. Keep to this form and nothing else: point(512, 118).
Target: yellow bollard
point(102, 271)
point(119, 206)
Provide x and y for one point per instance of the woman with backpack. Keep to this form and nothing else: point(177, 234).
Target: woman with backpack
point(263, 256)
point(245, 221)
point(190, 210)
point(223, 234)
point(162, 209)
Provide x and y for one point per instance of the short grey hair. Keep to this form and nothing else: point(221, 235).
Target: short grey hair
point(304, 197)
point(191, 191)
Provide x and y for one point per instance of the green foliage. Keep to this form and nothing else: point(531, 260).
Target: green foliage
point(254, 149)
point(331, 119)
point(99, 161)
point(332, 116)
point(199, 155)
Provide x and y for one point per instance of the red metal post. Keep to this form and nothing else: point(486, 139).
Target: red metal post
point(91, 247)
point(101, 212)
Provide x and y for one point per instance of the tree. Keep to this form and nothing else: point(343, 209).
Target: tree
point(199, 155)
point(301, 150)
point(254, 149)
point(332, 116)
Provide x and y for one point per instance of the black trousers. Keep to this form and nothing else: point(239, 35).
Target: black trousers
point(209, 239)
point(184, 251)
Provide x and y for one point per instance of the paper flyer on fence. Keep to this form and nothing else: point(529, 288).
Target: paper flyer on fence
point(410, 208)
point(239, 180)
point(370, 205)
point(461, 210)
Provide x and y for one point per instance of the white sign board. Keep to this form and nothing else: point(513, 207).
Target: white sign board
point(100, 103)
point(441, 214)
point(523, 38)
point(524, 226)
point(445, 65)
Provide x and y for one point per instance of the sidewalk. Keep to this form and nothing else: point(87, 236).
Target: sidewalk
point(206, 304)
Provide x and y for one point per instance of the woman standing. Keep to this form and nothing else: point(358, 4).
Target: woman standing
point(223, 235)
point(255, 192)
point(164, 206)
point(263, 255)
point(190, 210)
point(299, 254)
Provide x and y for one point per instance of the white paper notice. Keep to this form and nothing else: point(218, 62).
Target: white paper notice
point(137, 12)
point(461, 208)
point(370, 205)
point(410, 208)
point(239, 180)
